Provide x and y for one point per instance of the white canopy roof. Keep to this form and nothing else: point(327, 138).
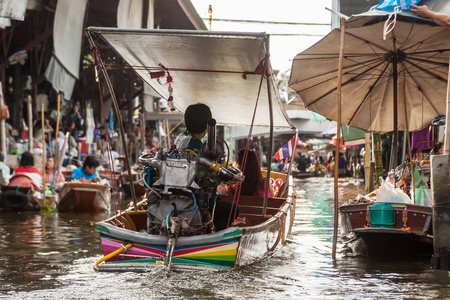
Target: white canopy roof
point(206, 67)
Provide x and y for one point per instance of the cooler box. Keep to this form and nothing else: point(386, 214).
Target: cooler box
point(382, 215)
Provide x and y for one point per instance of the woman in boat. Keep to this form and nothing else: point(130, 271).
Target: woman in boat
point(87, 173)
point(50, 175)
point(27, 175)
point(254, 183)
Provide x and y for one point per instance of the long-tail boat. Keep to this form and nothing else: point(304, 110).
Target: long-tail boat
point(172, 227)
point(84, 197)
point(386, 229)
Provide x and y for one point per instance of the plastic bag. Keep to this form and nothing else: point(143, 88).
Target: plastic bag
point(423, 196)
point(390, 5)
point(387, 193)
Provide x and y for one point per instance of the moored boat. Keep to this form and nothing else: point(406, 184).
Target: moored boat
point(386, 229)
point(84, 197)
point(17, 198)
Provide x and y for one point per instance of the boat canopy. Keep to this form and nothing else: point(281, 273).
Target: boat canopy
point(220, 69)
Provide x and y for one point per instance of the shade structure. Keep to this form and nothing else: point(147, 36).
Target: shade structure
point(417, 49)
point(220, 69)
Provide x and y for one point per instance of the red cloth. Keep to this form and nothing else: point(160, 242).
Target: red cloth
point(23, 180)
point(27, 170)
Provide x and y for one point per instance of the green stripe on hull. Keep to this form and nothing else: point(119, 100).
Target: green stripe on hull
point(203, 262)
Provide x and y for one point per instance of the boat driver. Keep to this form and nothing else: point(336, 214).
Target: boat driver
point(196, 118)
point(88, 172)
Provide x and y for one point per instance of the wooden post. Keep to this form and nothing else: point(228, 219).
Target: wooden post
point(440, 189)
point(43, 149)
point(377, 157)
point(368, 174)
point(338, 139)
point(30, 124)
point(2, 126)
point(57, 128)
point(447, 119)
point(142, 129)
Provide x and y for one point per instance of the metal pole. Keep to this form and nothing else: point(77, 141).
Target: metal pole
point(269, 97)
point(119, 119)
point(338, 139)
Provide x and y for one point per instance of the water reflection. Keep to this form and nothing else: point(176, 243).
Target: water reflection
point(51, 256)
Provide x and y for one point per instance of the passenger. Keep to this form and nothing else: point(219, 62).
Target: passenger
point(254, 183)
point(87, 173)
point(317, 167)
point(50, 172)
point(196, 118)
point(5, 172)
point(27, 175)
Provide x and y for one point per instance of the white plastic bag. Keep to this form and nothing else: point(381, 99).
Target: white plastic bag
point(387, 193)
point(423, 196)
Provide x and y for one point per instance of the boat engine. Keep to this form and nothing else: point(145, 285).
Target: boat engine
point(179, 203)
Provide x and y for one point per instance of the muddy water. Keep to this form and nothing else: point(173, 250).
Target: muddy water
point(50, 256)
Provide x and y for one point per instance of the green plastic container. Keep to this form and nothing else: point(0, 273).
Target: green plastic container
point(382, 215)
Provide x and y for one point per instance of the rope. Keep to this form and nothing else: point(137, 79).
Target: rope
point(237, 193)
point(108, 144)
point(390, 24)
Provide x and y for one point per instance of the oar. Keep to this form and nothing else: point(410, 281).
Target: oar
point(61, 159)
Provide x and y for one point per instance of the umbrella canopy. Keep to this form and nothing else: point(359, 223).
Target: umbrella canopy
point(415, 50)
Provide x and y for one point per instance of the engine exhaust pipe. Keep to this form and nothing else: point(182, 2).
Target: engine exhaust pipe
point(210, 150)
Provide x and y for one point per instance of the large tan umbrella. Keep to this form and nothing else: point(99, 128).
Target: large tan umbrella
point(378, 75)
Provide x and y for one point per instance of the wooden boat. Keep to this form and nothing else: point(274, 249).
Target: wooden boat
point(401, 231)
point(139, 189)
point(173, 227)
point(84, 197)
point(114, 177)
point(17, 198)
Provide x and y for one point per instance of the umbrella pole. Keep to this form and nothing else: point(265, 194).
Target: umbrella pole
point(338, 139)
point(395, 77)
point(413, 186)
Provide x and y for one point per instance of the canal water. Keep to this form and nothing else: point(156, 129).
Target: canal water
point(51, 256)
